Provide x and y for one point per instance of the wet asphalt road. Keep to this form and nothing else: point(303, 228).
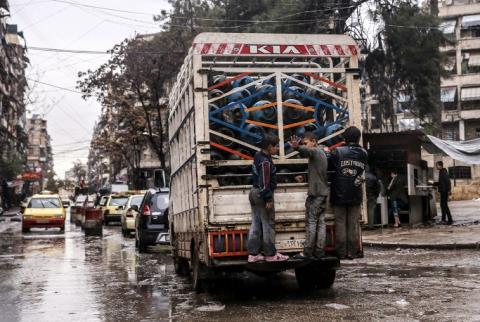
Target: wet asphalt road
point(48, 276)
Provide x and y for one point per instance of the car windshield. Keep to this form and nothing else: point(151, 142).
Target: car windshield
point(44, 203)
point(118, 201)
point(160, 201)
point(136, 201)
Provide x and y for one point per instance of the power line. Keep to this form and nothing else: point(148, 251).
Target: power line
point(103, 8)
point(55, 86)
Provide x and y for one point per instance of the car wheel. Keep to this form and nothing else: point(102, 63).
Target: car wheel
point(25, 230)
point(62, 228)
point(105, 222)
point(142, 247)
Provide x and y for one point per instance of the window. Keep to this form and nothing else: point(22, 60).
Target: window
point(460, 172)
point(44, 203)
point(470, 97)
point(470, 26)
point(471, 63)
point(451, 65)
point(448, 97)
point(376, 117)
point(448, 27)
point(450, 133)
point(118, 201)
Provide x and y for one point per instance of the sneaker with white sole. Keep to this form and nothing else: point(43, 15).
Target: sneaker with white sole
point(256, 258)
point(277, 258)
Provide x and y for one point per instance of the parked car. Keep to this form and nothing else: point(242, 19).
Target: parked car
point(129, 213)
point(151, 224)
point(112, 211)
point(44, 211)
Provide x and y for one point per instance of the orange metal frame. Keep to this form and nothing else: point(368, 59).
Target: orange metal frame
point(227, 252)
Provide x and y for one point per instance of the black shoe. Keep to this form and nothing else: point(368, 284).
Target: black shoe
point(449, 223)
point(301, 256)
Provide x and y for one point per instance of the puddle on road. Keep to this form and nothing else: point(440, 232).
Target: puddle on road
point(54, 277)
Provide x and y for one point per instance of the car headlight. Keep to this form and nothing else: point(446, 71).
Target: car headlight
point(58, 216)
point(27, 217)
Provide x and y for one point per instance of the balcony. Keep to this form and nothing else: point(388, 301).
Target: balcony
point(450, 11)
point(461, 80)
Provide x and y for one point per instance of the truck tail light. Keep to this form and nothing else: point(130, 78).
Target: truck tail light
point(146, 211)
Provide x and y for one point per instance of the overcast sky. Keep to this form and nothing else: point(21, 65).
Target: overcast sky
point(67, 24)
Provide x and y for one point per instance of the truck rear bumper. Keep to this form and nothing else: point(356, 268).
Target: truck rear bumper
point(329, 262)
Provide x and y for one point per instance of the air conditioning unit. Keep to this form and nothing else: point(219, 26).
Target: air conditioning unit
point(466, 56)
point(449, 2)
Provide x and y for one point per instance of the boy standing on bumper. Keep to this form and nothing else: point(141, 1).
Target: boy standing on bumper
point(315, 232)
point(261, 237)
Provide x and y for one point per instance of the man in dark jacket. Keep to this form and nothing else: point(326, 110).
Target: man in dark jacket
point(348, 164)
point(261, 238)
point(444, 189)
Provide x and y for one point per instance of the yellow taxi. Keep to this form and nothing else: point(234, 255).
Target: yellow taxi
point(129, 212)
point(113, 206)
point(44, 211)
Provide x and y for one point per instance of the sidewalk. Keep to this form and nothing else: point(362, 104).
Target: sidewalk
point(464, 233)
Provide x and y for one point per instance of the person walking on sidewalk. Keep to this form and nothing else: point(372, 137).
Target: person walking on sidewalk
point(261, 237)
point(445, 189)
point(348, 163)
point(315, 205)
point(373, 190)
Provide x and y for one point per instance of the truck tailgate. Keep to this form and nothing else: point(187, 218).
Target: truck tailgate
point(231, 204)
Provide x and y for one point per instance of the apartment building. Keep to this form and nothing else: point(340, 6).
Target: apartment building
point(39, 156)
point(13, 62)
point(460, 92)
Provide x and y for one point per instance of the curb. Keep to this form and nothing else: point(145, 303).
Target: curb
point(423, 246)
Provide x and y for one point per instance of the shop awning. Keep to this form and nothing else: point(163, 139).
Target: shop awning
point(447, 94)
point(465, 151)
point(474, 60)
point(470, 94)
point(448, 26)
point(470, 21)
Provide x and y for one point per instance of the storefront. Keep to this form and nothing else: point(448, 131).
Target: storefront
point(401, 153)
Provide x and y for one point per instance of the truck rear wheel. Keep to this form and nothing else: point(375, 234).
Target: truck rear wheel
point(197, 271)
point(313, 276)
point(181, 266)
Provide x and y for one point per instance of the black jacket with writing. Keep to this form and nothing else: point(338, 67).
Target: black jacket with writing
point(348, 164)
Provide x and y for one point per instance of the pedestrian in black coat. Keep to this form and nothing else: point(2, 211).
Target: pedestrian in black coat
point(444, 189)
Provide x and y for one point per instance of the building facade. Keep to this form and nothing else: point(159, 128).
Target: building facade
point(460, 92)
point(13, 84)
point(39, 156)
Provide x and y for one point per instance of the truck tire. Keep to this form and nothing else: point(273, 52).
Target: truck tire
point(181, 266)
point(197, 271)
point(312, 277)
